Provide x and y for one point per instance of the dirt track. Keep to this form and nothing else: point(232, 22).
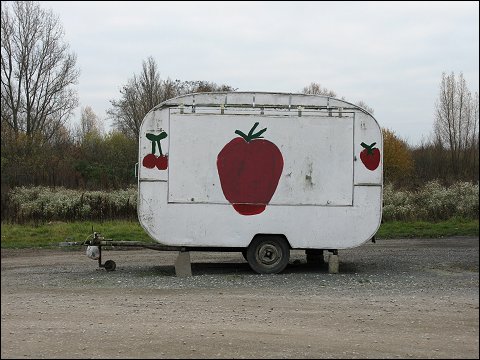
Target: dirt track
point(393, 299)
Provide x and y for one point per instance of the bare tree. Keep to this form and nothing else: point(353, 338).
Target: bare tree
point(147, 90)
point(198, 86)
point(89, 123)
point(316, 89)
point(364, 106)
point(456, 122)
point(139, 96)
point(37, 71)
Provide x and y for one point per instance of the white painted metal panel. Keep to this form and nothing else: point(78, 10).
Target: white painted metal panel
point(329, 215)
point(154, 123)
point(368, 167)
point(320, 227)
point(317, 153)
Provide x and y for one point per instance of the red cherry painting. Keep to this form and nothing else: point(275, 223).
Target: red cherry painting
point(370, 156)
point(162, 162)
point(151, 160)
point(249, 168)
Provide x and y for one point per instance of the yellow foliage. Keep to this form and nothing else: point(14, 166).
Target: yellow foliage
point(397, 158)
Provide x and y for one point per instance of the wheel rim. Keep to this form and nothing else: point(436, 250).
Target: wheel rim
point(269, 254)
point(110, 265)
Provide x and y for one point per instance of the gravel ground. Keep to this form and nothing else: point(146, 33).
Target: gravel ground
point(403, 298)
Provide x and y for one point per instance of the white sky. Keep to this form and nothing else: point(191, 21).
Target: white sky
point(391, 55)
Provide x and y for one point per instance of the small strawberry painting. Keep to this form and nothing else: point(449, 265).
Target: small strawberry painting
point(370, 156)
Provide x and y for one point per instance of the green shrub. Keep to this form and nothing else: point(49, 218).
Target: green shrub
point(432, 202)
point(42, 204)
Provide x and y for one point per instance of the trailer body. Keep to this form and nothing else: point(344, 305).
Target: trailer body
point(217, 170)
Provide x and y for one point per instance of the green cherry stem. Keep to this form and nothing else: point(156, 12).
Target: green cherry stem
point(159, 147)
point(155, 139)
point(251, 136)
point(369, 148)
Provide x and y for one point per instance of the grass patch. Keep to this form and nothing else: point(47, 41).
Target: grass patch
point(50, 235)
point(423, 229)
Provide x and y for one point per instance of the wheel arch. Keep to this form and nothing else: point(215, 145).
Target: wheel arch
point(271, 235)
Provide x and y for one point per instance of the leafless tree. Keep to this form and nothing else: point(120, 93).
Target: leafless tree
point(89, 123)
point(189, 87)
point(139, 96)
point(456, 122)
point(147, 90)
point(364, 106)
point(316, 89)
point(37, 71)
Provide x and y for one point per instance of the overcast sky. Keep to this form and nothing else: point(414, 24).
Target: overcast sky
point(391, 55)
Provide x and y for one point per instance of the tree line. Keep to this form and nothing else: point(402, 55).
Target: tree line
point(40, 147)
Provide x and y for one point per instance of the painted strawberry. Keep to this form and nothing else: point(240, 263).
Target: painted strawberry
point(370, 156)
point(249, 168)
point(151, 160)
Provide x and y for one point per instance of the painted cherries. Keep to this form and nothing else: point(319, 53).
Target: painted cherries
point(151, 160)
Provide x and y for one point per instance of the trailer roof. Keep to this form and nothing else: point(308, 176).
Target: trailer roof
point(259, 99)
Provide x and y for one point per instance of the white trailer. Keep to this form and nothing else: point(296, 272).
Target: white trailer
point(261, 173)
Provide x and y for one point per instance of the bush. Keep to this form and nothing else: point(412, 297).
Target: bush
point(42, 204)
point(432, 202)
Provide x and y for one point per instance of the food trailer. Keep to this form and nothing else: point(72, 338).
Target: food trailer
point(260, 173)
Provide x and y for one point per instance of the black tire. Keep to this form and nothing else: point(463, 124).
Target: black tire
point(268, 254)
point(110, 265)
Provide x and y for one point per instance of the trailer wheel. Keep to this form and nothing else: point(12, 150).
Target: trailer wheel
point(268, 254)
point(110, 265)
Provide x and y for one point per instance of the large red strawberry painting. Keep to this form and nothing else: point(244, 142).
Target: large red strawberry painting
point(370, 156)
point(249, 168)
